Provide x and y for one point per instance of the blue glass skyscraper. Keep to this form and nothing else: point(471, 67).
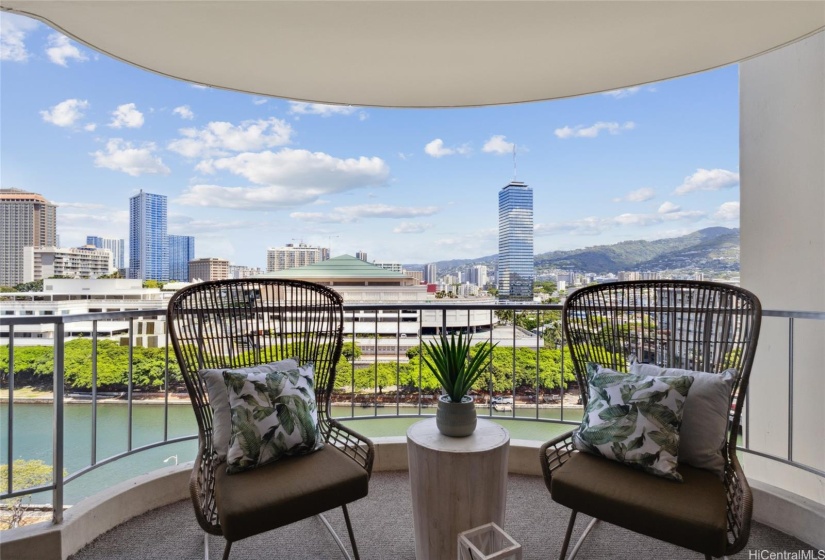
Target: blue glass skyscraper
point(148, 243)
point(516, 269)
point(181, 251)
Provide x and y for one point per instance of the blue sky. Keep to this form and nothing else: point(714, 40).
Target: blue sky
point(244, 173)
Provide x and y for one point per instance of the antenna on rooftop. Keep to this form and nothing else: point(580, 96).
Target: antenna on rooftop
point(515, 166)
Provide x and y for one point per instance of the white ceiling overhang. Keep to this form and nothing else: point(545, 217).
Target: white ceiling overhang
point(419, 53)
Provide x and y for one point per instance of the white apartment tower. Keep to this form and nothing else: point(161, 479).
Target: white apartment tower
point(292, 256)
point(26, 220)
point(478, 275)
point(430, 272)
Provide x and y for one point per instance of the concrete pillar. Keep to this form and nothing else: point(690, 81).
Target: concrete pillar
point(782, 166)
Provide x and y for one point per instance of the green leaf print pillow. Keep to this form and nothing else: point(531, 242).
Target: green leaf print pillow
point(634, 419)
point(274, 415)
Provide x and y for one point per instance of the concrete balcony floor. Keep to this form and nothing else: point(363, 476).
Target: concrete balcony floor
point(383, 528)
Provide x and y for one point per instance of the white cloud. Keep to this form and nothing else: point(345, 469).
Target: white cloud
point(126, 115)
point(13, 31)
point(474, 243)
point(259, 100)
point(349, 214)
point(594, 225)
point(123, 156)
point(61, 49)
point(624, 92)
point(184, 112)
point(91, 127)
point(498, 145)
point(199, 86)
point(639, 195)
point(287, 178)
point(580, 131)
point(221, 138)
point(591, 225)
point(321, 109)
point(66, 113)
point(436, 149)
point(412, 227)
point(708, 180)
point(728, 211)
point(667, 207)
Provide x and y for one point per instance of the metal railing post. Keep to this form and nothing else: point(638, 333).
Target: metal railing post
point(57, 376)
point(10, 423)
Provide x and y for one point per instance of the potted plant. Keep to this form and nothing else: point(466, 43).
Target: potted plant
point(449, 360)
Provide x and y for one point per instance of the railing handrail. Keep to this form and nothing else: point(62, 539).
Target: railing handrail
point(60, 339)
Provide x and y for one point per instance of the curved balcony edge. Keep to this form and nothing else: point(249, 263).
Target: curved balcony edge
point(790, 513)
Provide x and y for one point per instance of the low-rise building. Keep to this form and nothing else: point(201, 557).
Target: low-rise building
point(81, 262)
point(78, 296)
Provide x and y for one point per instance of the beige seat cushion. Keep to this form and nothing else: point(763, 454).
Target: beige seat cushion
point(285, 491)
point(691, 514)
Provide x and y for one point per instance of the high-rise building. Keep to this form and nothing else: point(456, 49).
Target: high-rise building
point(291, 256)
point(181, 252)
point(478, 275)
point(209, 269)
point(240, 272)
point(26, 220)
point(148, 243)
point(417, 274)
point(516, 269)
point(361, 255)
point(116, 246)
point(81, 262)
point(430, 272)
point(395, 267)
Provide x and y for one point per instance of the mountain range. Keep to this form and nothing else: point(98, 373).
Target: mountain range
point(714, 249)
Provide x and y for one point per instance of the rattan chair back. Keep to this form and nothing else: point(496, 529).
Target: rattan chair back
point(700, 326)
point(242, 323)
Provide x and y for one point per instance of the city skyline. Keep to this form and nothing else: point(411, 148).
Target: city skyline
point(243, 173)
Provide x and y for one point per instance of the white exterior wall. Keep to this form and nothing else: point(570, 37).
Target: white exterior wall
point(782, 163)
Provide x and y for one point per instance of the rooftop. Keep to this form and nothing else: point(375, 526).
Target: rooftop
point(344, 267)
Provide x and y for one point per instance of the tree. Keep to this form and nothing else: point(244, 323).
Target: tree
point(35, 286)
point(350, 351)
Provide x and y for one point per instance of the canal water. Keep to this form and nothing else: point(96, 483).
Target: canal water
point(33, 429)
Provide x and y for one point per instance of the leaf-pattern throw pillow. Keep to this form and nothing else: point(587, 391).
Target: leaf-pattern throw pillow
point(634, 419)
point(705, 423)
point(219, 401)
point(273, 415)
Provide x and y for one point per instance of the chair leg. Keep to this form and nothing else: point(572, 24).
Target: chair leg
point(226, 550)
point(351, 534)
point(568, 534)
point(335, 537)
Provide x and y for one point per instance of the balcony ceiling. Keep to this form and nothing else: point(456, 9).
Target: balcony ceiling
point(420, 53)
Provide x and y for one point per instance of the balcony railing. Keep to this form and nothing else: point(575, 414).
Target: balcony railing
point(384, 334)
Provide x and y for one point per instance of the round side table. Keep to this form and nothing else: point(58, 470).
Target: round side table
point(457, 484)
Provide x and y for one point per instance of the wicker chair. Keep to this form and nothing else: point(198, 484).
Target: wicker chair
point(700, 326)
point(242, 323)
